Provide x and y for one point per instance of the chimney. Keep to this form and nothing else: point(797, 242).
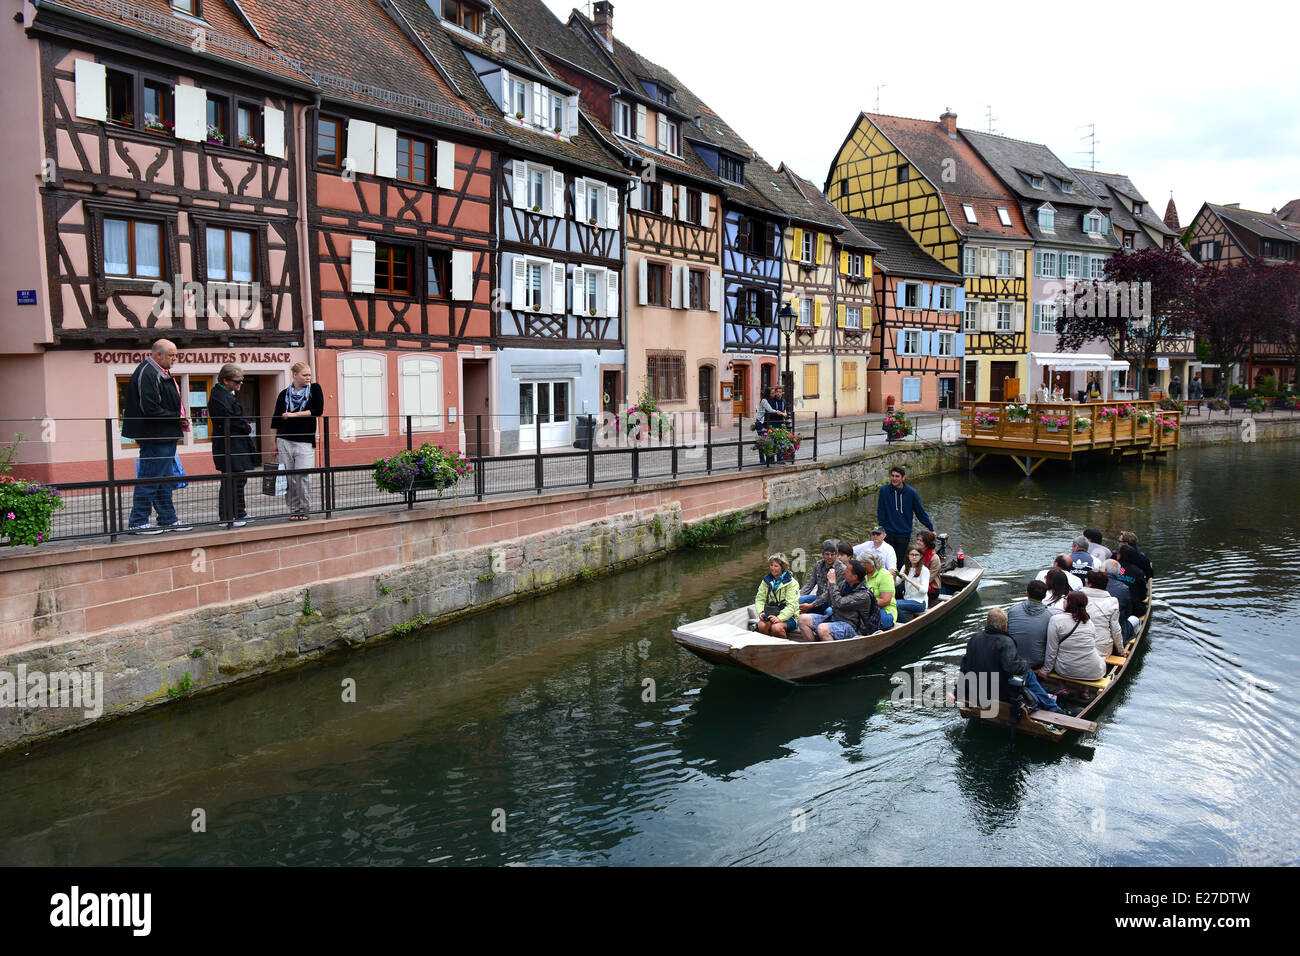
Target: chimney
point(605, 21)
point(1232, 205)
point(948, 120)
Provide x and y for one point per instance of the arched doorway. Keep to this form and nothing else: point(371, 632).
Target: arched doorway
point(706, 392)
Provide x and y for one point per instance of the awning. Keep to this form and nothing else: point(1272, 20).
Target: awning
point(1077, 361)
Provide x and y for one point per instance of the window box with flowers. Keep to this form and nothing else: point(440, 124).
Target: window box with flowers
point(248, 142)
point(1082, 423)
point(1017, 413)
point(1108, 413)
point(986, 419)
point(1144, 418)
point(1167, 425)
point(125, 119)
point(161, 127)
point(216, 137)
point(1053, 423)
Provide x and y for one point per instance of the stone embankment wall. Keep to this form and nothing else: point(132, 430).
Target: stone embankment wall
point(179, 614)
point(1224, 431)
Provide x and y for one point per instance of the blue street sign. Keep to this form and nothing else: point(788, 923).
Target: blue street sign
point(26, 296)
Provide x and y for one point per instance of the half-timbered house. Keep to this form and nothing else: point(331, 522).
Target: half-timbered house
point(652, 106)
point(399, 187)
point(152, 194)
point(925, 176)
point(917, 345)
point(1222, 235)
point(1073, 238)
point(559, 208)
point(673, 268)
point(827, 283)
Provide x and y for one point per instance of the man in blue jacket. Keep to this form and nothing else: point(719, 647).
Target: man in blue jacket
point(897, 503)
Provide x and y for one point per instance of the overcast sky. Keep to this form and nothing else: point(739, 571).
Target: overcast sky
point(1204, 102)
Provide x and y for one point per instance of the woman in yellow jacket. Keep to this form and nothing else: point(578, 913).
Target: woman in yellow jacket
point(777, 600)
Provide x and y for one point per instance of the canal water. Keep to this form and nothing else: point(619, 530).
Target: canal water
point(534, 719)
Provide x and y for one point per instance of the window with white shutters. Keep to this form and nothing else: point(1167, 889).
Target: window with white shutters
point(971, 323)
point(362, 403)
point(421, 394)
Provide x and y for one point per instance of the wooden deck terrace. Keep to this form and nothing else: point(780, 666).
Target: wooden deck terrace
point(990, 429)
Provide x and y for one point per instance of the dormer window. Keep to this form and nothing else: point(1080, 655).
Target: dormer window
point(461, 13)
point(1004, 217)
point(1137, 209)
point(663, 96)
point(1047, 218)
point(969, 210)
point(623, 119)
point(1066, 186)
point(1033, 179)
point(1092, 223)
point(731, 169)
point(190, 7)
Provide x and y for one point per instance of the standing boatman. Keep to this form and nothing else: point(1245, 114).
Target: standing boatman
point(897, 503)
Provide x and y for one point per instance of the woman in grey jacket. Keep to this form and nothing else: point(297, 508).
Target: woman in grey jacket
point(1072, 642)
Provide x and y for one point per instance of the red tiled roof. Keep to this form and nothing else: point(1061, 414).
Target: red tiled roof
point(931, 150)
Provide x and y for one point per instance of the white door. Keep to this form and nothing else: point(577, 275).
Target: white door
point(547, 404)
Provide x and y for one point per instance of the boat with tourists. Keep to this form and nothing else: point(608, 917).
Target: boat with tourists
point(727, 639)
point(1045, 724)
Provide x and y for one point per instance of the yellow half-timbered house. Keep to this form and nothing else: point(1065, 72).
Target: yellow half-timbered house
point(924, 176)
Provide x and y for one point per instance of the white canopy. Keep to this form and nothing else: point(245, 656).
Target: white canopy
point(1077, 361)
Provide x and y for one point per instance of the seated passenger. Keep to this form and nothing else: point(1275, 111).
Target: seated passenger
point(1072, 643)
point(989, 664)
point(1131, 573)
point(927, 542)
point(1081, 559)
point(854, 610)
point(1027, 623)
point(915, 578)
point(813, 604)
point(1058, 589)
point(1063, 562)
point(1104, 611)
point(1121, 593)
point(1129, 539)
point(777, 599)
point(1099, 550)
point(877, 542)
point(881, 583)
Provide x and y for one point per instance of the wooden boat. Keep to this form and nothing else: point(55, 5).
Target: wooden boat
point(1050, 726)
point(726, 639)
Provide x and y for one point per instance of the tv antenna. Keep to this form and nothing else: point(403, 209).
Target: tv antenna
point(879, 87)
point(988, 113)
point(1091, 140)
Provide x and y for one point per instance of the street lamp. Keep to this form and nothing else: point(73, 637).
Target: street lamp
point(787, 318)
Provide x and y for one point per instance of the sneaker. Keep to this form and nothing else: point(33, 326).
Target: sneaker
point(144, 529)
point(174, 526)
point(238, 523)
point(246, 518)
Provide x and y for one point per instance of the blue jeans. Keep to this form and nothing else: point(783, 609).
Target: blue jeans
point(155, 462)
point(817, 617)
point(1044, 699)
point(909, 609)
point(886, 619)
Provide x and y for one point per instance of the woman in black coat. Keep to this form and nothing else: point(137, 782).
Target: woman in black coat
point(232, 448)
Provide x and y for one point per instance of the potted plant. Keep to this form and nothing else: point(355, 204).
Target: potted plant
point(26, 507)
point(778, 443)
point(160, 126)
point(537, 209)
point(520, 117)
point(1219, 405)
point(1167, 425)
point(1082, 423)
point(216, 137)
point(537, 307)
point(592, 220)
point(125, 119)
point(644, 420)
point(896, 426)
point(1291, 402)
point(1107, 413)
point(591, 311)
point(1144, 418)
point(1053, 423)
point(429, 466)
point(986, 419)
point(1018, 413)
point(1255, 404)
point(248, 142)
point(558, 130)
point(1124, 411)
point(1171, 405)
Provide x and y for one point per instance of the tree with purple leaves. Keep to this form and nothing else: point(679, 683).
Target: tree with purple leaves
point(1144, 303)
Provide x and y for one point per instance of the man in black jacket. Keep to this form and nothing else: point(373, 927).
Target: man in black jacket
point(232, 449)
point(155, 420)
point(991, 660)
point(1122, 593)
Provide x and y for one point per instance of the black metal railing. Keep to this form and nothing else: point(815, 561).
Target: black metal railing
point(343, 479)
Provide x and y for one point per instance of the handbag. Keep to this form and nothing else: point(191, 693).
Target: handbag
point(773, 608)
